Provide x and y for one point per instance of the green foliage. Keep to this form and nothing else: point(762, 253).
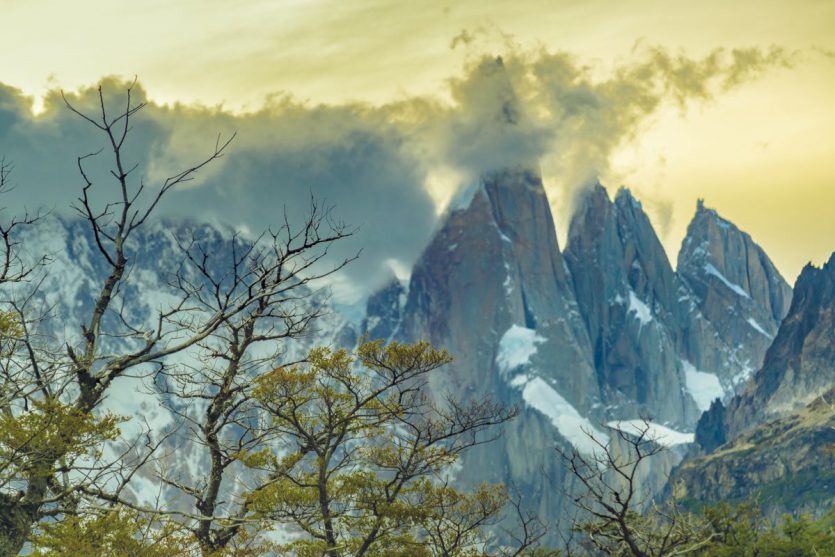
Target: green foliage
point(725, 530)
point(742, 532)
point(10, 326)
point(371, 450)
point(116, 533)
point(31, 441)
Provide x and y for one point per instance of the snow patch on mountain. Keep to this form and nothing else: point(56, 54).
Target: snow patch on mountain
point(656, 433)
point(576, 429)
point(508, 280)
point(757, 327)
point(516, 347)
point(711, 270)
point(639, 308)
point(704, 387)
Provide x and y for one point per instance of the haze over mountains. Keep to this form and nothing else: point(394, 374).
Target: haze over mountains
point(389, 169)
point(586, 339)
point(605, 332)
point(506, 278)
point(773, 441)
point(598, 335)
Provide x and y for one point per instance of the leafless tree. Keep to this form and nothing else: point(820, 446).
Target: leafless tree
point(213, 395)
point(13, 269)
point(52, 435)
point(230, 324)
point(620, 521)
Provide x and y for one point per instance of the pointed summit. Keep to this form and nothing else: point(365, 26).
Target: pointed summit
point(496, 132)
point(491, 89)
point(626, 290)
point(384, 311)
point(716, 251)
point(492, 288)
point(736, 286)
point(625, 198)
point(492, 265)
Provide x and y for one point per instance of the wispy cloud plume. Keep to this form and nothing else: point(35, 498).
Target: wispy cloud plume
point(373, 163)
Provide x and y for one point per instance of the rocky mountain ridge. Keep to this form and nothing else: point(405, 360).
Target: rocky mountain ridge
point(798, 366)
point(596, 336)
point(582, 340)
point(64, 296)
point(773, 442)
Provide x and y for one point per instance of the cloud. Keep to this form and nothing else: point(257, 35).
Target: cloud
point(537, 106)
point(826, 52)
point(343, 157)
point(373, 163)
point(576, 122)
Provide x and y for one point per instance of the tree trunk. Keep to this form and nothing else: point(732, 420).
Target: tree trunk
point(15, 526)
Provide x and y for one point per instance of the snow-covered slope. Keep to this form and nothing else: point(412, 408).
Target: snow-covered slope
point(737, 289)
point(70, 283)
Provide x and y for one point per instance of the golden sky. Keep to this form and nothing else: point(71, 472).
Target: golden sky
point(763, 153)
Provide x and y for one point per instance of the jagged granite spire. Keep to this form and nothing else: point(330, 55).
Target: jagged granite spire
point(492, 288)
point(627, 292)
point(716, 253)
point(773, 443)
point(798, 365)
point(736, 287)
point(384, 311)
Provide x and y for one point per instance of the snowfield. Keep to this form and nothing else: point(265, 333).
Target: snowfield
point(639, 308)
point(576, 429)
point(657, 433)
point(704, 387)
point(516, 347)
point(711, 270)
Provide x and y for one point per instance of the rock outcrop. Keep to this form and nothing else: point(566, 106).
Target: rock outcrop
point(384, 311)
point(492, 288)
point(606, 332)
point(799, 365)
point(627, 292)
point(737, 288)
point(774, 441)
point(786, 465)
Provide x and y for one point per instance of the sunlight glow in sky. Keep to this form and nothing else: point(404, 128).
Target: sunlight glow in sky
point(762, 154)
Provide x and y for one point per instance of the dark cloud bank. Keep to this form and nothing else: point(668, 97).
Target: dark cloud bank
point(371, 163)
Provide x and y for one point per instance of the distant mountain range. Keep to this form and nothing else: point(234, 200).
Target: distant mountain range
point(592, 337)
point(774, 442)
point(605, 332)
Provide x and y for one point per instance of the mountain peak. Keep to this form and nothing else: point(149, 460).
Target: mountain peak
point(624, 197)
point(705, 216)
point(594, 196)
point(626, 292)
point(735, 286)
point(599, 190)
point(797, 366)
point(717, 257)
point(818, 280)
point(493, 85)
point(827, 267)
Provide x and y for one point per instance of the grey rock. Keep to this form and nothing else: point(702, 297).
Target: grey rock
point(627, 292)
point(773, 441)
point(737, 289)
point(384, 311)
point(494, 265)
